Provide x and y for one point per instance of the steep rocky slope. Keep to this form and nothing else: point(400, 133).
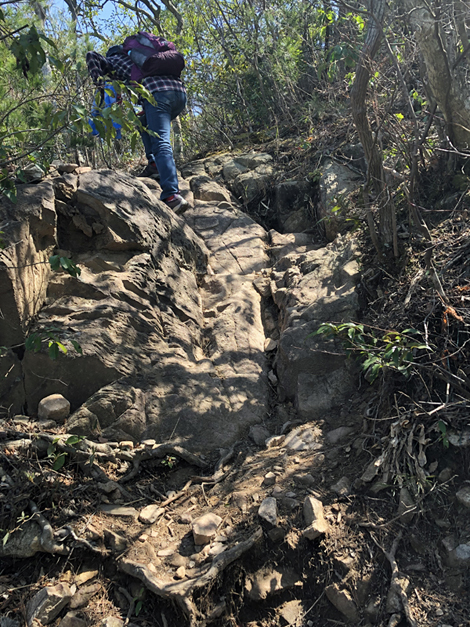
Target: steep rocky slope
point(220, 465)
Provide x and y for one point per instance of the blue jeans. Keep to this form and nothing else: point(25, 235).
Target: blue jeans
point(169, 106)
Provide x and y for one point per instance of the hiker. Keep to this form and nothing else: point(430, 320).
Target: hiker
point(141, 60)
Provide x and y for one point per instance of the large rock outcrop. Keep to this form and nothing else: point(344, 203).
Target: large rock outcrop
point(162, 358)
point(177, 317)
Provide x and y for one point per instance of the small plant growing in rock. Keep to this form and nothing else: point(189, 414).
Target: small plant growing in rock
point(59, 263)
point(34, 342)
point(392, 349)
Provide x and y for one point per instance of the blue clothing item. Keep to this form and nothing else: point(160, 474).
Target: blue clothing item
point(158, 148)
point(96, 110)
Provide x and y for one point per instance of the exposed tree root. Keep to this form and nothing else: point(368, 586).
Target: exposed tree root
point(83, 542)
point(162, 450)
point(396, 589)
point(48, 544)
point(181, 591)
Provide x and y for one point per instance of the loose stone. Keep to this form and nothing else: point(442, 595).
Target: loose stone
point(275, 440)
point(149, 514)
point(259, 434)
point(266, 582)
point(205, 528)
point(269, 479)
point(343, 602)
point(71, 620)
point(268, 510)
point(114, 510)
point(314, 517)
point(270, 344)
point(463, 496)
point(342, 487)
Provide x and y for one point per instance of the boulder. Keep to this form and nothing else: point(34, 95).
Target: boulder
point(30, 235)
point(205, 188)
point(254, 183)
point(46, 605)
point(293, 205)
point(336, 183)
point(311, 288)
point(54, 407)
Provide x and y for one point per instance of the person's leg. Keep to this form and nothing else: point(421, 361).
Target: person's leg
point(145, 137)
point(169, 105)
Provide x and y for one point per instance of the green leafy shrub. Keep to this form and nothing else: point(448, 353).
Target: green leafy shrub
point(388, 350)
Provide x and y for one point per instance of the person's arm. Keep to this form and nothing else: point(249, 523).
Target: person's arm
point(98, 67)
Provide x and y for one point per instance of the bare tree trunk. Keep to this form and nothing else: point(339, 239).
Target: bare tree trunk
point(359, 114)
point(447, 69)
point(178, 140)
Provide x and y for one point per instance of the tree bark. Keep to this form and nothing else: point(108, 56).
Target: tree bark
point(447, 71)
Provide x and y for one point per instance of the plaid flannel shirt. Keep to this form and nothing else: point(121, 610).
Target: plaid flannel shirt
point(119, 68)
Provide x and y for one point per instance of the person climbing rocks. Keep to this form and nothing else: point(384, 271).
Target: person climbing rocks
point(156, 64)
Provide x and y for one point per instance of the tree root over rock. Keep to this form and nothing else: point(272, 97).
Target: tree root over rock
point(397, 598)
point(160, 451)
point(48, 544)
point(181, 591)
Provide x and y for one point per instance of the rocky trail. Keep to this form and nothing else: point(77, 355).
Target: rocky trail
point(197, 456)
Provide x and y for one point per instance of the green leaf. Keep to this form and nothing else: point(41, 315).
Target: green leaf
point(33, 342)
point(77, 347)
point(53, 350)
point(55, 262)
point(69, 266)
point(370, 361)
point(396, 358)
point(133, 142)
point(8, 187)
point(138, 608)
point(57, 63)
point(443, 429)
point(5, 538)
point(59, 461)
point(62, 348)
point(73, 439)
point(374, 371)
point(48, 40)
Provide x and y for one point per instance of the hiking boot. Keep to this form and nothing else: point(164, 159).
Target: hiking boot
point(177, 203)
point(150, 172)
